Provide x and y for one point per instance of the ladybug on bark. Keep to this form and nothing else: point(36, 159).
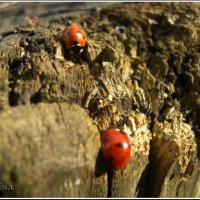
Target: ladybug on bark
point(73, 36)
point(115, 148)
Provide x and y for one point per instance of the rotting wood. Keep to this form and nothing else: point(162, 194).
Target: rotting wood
point(139, 72)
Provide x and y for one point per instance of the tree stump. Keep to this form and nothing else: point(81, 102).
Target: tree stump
point(139, 72)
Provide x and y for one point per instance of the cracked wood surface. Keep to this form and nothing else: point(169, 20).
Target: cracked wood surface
point(139, 72)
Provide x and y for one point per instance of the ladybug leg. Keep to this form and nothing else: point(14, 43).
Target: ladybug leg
point(81, 51)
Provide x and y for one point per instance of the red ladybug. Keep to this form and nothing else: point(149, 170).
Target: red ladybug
point(115, 147)
point(74, 35)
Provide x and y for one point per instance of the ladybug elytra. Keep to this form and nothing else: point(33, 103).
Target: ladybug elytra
point(74, 35)
point(115, 147)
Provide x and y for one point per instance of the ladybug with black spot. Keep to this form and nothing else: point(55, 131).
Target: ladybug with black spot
point(115, 148)
point(74, 36)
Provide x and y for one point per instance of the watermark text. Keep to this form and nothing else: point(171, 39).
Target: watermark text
point(5, 187)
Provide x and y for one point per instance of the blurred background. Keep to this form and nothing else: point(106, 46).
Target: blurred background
point(12, 13)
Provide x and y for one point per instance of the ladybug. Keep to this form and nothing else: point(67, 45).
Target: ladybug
point(115, 148)
point(74, 35)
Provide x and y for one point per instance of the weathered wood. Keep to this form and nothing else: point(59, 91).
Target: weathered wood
point(174, 156)
point(139, 72)
point(49, 150)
